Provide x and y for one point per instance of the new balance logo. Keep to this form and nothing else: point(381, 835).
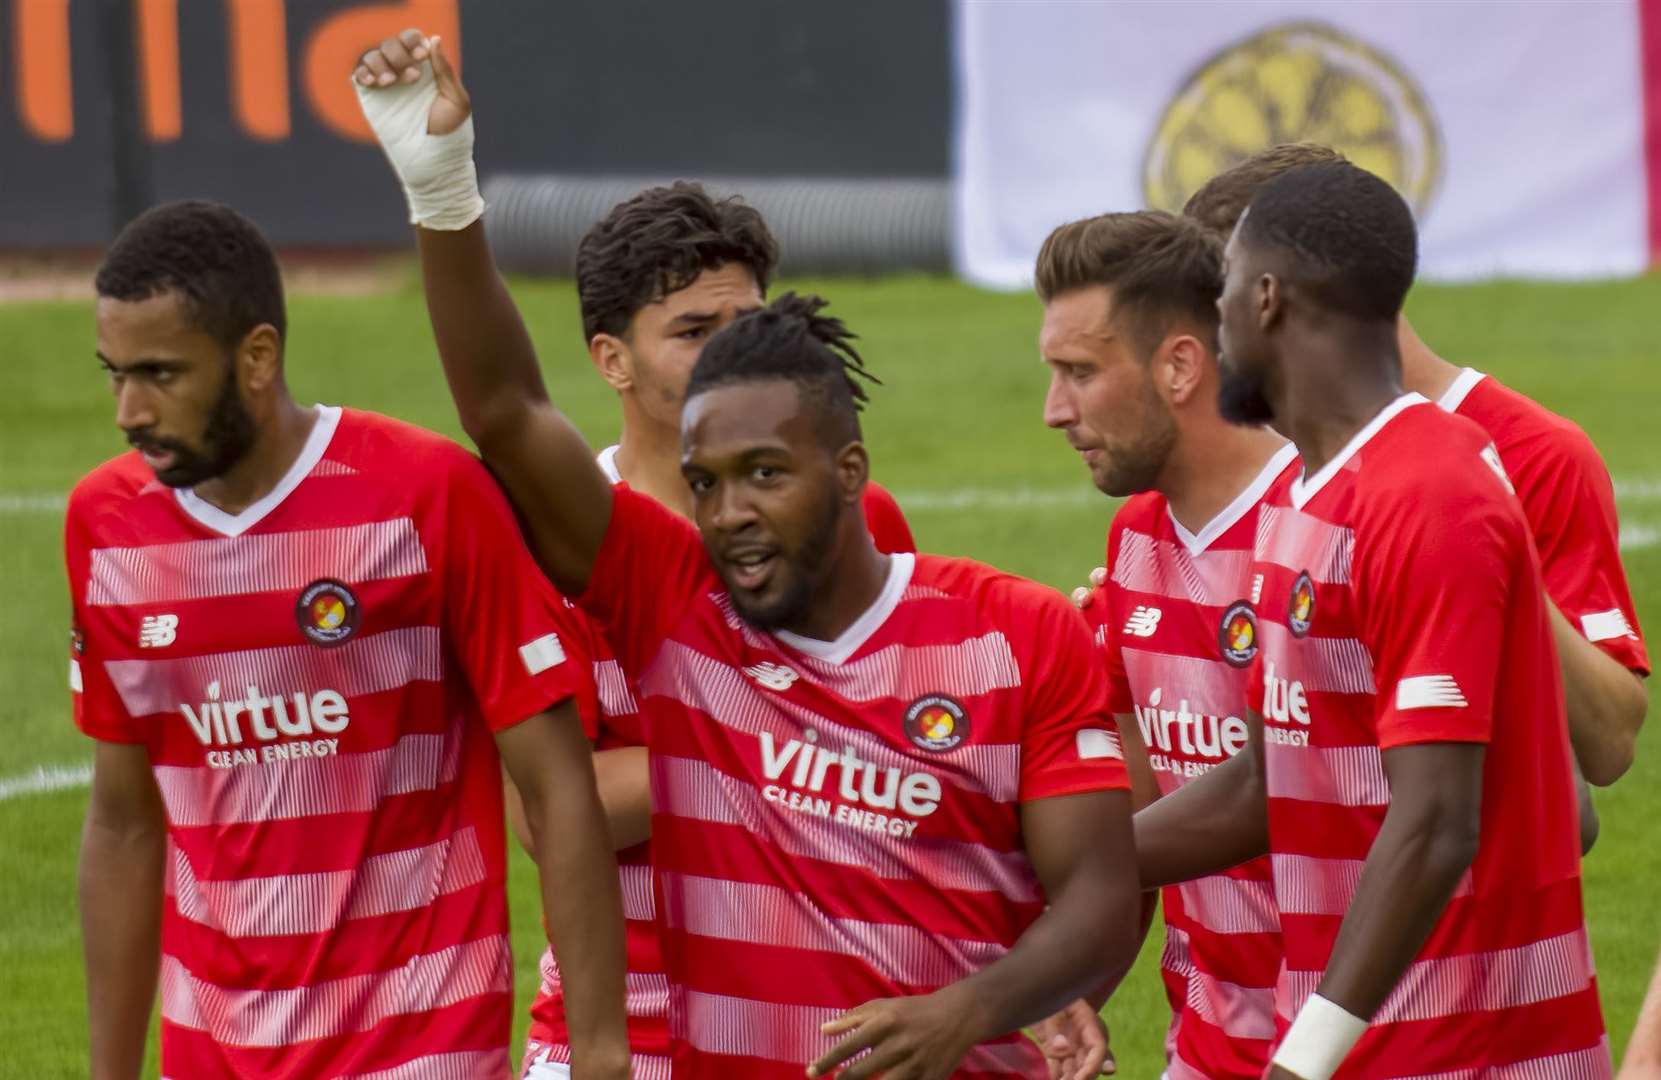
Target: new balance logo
point(158, 631)
point(1143, 622)
point(1257, 589)
point(1604, 625)
point(1429, 692)
point(772, 676)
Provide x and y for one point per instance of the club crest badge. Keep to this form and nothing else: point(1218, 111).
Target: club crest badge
point(327, 612)
point(936, 723)
point(1300, 610)
point(1237, 635)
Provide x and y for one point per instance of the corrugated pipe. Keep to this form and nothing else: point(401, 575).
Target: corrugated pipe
point(823, 226)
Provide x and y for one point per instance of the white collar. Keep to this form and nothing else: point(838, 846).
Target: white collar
point(1243, 504)
point(607, 460)
point(1306, 487)
point(1463, 383)
point(900, 567)
point(209, 515)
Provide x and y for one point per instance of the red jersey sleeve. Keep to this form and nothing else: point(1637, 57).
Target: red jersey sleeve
point(1570, 503)
point(886, 522)
point(1434, 567)
point(1070, 743)
point(518, 643)
point(98, 709)
point(1099, 614)
point(650, 570)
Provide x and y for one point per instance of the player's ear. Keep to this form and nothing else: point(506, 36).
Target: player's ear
point(1180, 365)
point(259, 358)
point(1271, 301)
point(611, 359)
point(853, 469)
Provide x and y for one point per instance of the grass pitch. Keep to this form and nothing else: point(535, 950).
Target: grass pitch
point(955, 433)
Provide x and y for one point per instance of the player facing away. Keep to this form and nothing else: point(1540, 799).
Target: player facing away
point(1130, 337)
point(1567, 498)
point(301, 637)
point(1412, 780)
point(869, 773)
point(661, 273)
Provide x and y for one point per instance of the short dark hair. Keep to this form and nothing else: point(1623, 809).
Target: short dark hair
point(658, 242)
point(215, 258)
point(1220, 201)
point(790, 340)
point(1161, 268)
point(1349, 236)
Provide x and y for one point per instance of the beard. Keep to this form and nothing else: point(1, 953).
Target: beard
point(226, 440)
point(1241, 398)
point(1136, 466)
point(806, 571)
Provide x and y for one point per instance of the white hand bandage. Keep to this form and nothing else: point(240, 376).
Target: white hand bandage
point(440, 181)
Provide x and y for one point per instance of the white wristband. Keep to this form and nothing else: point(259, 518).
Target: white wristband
point(440, 181)
point(1319, 1039)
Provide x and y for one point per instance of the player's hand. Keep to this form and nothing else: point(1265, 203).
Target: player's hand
point(1277, 1073)
point(1084, 594)
point(909, 1038)
point(1074, 1043)
point(398, 61)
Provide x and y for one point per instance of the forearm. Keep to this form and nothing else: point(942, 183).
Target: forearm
point(120, 892)
point(1410, 874)
point(1644, 1051)
point(1082, 946)
point(1215, 822)
point(583, 905)
point(1606, 704)
point(625, 791)
point(487, 353)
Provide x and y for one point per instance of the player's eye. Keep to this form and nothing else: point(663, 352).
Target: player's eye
point(700, 485)
point(693, 334)
point(765, 474)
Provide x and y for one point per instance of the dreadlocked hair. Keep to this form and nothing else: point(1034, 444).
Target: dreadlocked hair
point(790, 340)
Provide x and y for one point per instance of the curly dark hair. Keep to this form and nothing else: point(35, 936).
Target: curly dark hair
point(657, 243)
point(1221, 200)
point(1348, 237)
point(1163, 270)
point(215, 258)
point(790, 340)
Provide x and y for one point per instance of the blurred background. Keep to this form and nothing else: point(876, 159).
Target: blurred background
point(911, 155)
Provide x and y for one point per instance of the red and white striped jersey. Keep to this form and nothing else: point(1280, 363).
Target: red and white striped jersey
point(1570, 505)
point(839, 821)
point(619, 726)
point(1180, 636)
point(1398, 603)
point(316, 680)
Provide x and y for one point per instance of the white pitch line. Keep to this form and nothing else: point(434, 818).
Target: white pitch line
point(32, 504)
point(1634, 537)
point(45, 778)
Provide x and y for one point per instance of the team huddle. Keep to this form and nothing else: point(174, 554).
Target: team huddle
point(803, 800)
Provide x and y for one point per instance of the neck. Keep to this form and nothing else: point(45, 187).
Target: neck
point(1211, 465)
point(277, 444)
point(1422, 371)
point(1340, 382)
point(649, 460)
point(855, 581)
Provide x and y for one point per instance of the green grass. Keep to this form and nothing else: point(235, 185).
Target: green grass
point(959, 410)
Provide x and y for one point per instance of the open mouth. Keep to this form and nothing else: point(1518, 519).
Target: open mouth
point(750, 570)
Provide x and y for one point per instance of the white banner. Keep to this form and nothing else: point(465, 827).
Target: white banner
point(1515, 130)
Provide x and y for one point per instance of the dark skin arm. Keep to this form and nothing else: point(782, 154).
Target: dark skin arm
point(538, 456)
point(1215, 822)
point(1428, 840)
point(625, 793)
point(123, 847)
point(1080, 847)
point(550, 761)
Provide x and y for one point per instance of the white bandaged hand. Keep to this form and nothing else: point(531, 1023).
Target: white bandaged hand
point(441, 183)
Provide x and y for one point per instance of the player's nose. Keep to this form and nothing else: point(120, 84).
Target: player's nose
point(134, 407)
point(1058, 405)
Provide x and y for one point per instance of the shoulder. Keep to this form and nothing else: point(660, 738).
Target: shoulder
point(1144, 513)
point(1532, 439)
point(108, 492)
point(1005, 601)
point(370, 442)
point(1434, 473)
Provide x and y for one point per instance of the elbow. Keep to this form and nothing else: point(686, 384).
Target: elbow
point(1621, 718)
